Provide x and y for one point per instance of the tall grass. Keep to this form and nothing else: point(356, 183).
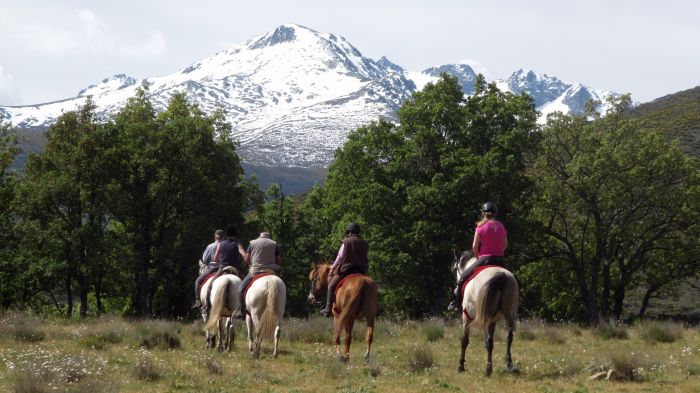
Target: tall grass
point(663, 332)
point(159, 334)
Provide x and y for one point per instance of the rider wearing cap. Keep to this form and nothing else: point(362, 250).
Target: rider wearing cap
point(352, 258)
point(490, 242)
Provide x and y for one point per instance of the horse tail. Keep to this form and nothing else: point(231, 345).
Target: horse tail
point(370, 299)
point(220, 304)
point(268, 320)
point(488, 301)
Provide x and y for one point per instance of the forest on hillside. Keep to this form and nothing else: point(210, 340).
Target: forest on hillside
point(111, 217)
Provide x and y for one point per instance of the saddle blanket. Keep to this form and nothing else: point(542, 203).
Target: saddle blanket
point(340, 284)
point(476, 272)
point(255, 278)
point(205, 281)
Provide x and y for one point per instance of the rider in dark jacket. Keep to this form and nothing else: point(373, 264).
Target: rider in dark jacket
point(352, 258)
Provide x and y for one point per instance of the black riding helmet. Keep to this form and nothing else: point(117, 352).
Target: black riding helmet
point(353, 227)
point(489, 207)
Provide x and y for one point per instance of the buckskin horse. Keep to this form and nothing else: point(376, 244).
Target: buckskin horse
point(265, 301)
point(491, 295)
point(356, 296)
point(224, 299)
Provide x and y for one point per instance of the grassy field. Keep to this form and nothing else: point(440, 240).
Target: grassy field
point(117, 355)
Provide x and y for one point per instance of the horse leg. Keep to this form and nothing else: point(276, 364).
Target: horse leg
point(337, 327)
point(465, 344)
point(348, 337)
point(369, 337)
point(251, 332)
point(258, 337)
point(510, 324)
point(277, 340)
point(489, 347)
point(220, 348)
point(230, 334)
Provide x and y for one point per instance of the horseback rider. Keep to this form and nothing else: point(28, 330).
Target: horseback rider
point(226, 254)
point(212, 266)
point(352, 258)
point(489, 245)
point(262, 256)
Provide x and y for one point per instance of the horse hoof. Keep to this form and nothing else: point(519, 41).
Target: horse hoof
point(460, 369)
point(489, 372)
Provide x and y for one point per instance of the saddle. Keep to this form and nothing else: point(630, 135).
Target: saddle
point(210, 281)
point(476, 272)
point(340, 284)
point(255, 278)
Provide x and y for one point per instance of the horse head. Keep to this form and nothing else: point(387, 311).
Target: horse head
point(461, 261)
point(319, 281)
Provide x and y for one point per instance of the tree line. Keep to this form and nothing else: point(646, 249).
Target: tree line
point(114, 214)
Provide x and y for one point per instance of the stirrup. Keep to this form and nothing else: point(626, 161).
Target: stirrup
point(453, 306)
point(197, 304)
point(326, 312)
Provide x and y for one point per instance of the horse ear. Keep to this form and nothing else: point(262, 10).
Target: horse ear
point(456, 251)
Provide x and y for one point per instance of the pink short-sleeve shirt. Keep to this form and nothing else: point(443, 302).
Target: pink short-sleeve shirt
point(493, 239)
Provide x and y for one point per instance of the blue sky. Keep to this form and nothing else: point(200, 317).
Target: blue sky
point(49, 50)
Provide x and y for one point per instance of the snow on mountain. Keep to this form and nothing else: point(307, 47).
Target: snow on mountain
point(292, 95)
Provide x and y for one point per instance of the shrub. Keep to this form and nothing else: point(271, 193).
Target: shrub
point(420, 359)
point(24, 381)
point(666, 332)
point(146, 370)
point(552, 335)
point(159, 334)
point(608, 332)
point(27, 333)
point(526, 331)
point(213, 366)
point(433, 330)
point(627, 367)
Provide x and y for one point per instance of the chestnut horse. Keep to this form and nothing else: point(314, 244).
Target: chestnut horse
point(489, 297)
point(357, 297)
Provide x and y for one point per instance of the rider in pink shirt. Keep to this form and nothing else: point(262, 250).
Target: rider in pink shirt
point(489, 245)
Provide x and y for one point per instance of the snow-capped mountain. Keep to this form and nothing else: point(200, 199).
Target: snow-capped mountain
point(293, 95)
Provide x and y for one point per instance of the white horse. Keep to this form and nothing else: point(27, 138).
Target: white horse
point(265, 302)
point(224, 299)
point(491, 296)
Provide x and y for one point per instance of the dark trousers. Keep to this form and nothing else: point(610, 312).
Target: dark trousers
point(482, 261)
point(246, 281)
point(207, 271)
point(334, 283)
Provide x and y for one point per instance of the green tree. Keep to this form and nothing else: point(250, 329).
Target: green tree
point(63, 202)
point(416, 187)
point(610, 193)
point(8, 239)
point(179, 176)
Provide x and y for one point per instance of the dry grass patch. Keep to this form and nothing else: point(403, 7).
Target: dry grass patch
point(420, 358)
point(612, 331)
point(146, 369)
point(159, 334)
point(433, 329)
point(662, 332)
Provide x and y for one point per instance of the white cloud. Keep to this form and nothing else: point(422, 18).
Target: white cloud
point(154, 46)
point(87, 34)
point(9, 92)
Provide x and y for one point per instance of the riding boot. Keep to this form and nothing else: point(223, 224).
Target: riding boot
point(326, 311)
point(240, 311)
point(457, 300)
